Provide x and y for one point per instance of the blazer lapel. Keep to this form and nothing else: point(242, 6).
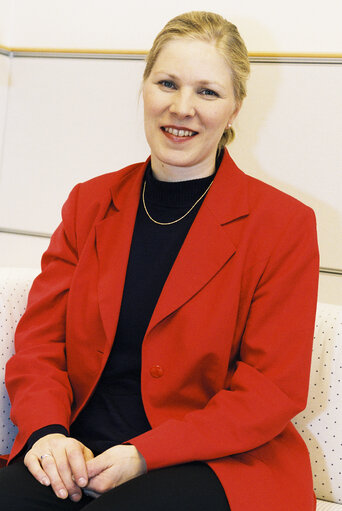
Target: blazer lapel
point(113, 236)
point(208, 245)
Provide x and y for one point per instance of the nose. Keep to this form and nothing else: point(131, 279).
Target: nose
point(182, 104)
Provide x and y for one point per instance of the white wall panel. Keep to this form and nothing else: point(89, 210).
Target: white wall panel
point(21, 251)
point(330, 288)
point(291, 26)
point(68, 120)
point(289, 135)
point(4, 81)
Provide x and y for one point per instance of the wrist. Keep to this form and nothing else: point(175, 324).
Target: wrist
point(140, 458)
point(46, 430)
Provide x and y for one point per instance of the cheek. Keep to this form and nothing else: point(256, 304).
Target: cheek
point(217, 118)
point(148, 104)
point(154, 104)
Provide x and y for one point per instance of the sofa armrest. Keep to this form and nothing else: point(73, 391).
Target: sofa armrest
point(14, 287)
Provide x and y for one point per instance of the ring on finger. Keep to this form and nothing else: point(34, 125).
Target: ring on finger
point(45, 455)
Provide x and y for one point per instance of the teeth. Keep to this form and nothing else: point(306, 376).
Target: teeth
point(180, 133)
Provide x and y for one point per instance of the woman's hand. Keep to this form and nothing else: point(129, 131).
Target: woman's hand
point(114, 467)
point(60, 461)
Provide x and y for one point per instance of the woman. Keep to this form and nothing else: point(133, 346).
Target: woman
point(206, 280)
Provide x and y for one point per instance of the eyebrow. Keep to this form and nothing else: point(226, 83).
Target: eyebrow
point(201, 82)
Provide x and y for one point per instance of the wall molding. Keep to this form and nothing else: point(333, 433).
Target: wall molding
point(255, 57)
point(24, 232)
point(331, 271)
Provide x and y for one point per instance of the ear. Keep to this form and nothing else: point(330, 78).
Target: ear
point(233, 117)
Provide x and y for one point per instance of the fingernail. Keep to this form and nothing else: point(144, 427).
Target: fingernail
point(82, 481)
point(63, 494)
point(76, 497)
point(45, 481)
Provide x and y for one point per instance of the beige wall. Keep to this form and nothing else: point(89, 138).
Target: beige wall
point(65, 120)
point(291, 26)
point(6, 7)
point(4, 87)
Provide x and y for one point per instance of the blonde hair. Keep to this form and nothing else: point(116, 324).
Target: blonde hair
point(211, 28)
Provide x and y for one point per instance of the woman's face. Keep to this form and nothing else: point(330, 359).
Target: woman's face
point(188, 103)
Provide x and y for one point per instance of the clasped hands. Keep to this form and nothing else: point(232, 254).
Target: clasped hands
point(71, 468)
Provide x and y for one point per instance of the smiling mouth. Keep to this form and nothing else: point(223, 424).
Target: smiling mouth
point(179, 133)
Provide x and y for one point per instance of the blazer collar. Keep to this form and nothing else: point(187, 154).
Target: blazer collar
point(127, 185)
point(208, 245)
point(227, 198)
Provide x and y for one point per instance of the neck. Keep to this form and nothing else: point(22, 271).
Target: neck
point(171, 173)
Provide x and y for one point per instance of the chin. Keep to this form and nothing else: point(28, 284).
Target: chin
point(180, 163)
point(178, 160)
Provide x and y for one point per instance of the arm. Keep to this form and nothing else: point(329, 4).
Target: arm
point(270, 381)
point(38, 368)
point(36, 376)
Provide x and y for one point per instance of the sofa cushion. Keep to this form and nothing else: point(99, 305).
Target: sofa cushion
point(321, 422)
point(328, 506)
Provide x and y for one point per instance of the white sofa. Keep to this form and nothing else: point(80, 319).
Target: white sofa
point(320, 424)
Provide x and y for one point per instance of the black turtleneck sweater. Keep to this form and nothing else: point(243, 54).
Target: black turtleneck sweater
point(115, 412)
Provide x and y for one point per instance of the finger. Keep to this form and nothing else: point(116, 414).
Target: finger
point(88, 454)
point(96, 465)
point(65, 475)
point(102, 483)
point(50, 468)
point(77, 463)
point(32, 463)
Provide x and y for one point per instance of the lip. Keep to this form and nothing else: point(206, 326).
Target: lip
point(177, 138)
point(174, 126)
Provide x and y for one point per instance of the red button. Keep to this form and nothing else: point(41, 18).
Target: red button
point(156, 371)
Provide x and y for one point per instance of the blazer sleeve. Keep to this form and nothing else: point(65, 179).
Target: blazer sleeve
point(38, 369)
point(270, 383)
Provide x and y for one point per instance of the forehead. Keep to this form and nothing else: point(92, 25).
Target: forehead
point(192, 58)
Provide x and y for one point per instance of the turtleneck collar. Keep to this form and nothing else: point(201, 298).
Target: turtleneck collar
point(176, 194)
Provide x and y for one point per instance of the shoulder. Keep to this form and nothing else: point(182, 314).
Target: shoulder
point(269, 200)
point(96, 194)
point(97, 187)
point(278, 219)
point(90, 201)
point(275, 223)
point(262, 205)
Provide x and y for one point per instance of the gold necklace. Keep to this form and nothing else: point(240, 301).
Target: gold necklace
point(178, 219)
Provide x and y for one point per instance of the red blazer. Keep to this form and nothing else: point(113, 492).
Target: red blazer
point(226, 356)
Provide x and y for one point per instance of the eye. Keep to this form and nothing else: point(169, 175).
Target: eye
point(208, 92)
point(167, 84)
